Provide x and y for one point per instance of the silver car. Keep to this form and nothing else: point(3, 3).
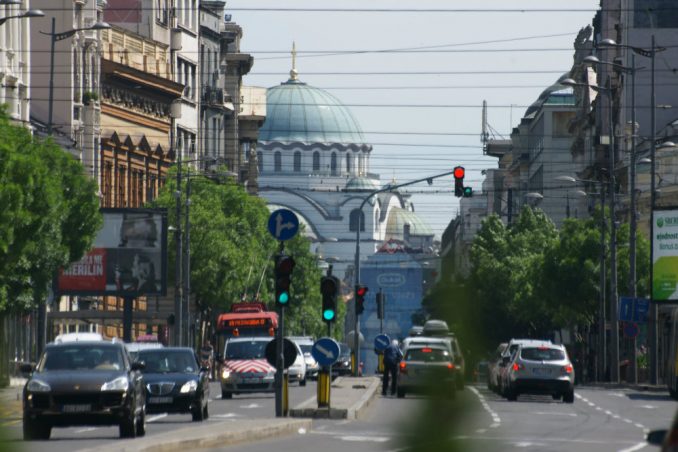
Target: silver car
point(543, 369)
point(425, 366)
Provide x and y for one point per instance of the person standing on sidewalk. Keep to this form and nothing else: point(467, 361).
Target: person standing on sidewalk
point(207, 357)
point(392, 357)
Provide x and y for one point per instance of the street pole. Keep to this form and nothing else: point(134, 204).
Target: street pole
point(356, 276)
point(614, 317)
point(178, 325)
point(602, 351)
point(633, 219)
point(50, 102)
point(187, 264)
point(279, 356)
point(654, 314)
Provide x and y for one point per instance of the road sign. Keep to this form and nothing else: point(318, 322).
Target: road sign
point(289, 352)
point(325, 351)
point(633, 310)
point(283, 224)
point(642, 308)
point(631, 329)
point(625, 309)
point(381, 342)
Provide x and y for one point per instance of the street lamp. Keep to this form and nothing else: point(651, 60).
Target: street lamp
point(27, 14)
point(609, 91)
point(602, 347)
point(60, 37)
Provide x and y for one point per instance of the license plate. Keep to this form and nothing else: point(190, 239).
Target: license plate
point(541, 371)
point(160, 400)
point(81, 408)
point(252, 380)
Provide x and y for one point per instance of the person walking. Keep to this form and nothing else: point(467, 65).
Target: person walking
point(207, 357)
point(392, 357)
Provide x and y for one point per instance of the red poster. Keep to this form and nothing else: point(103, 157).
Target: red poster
point(87, 274)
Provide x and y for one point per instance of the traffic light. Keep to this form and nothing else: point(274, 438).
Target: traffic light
point(329, 286)
point(468, 192)
point(459, 173)
point(283, 271)
point(360, 292)
point(381, 299)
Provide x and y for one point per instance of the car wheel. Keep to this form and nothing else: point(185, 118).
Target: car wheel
point(568, 397)
point(674, 394)
point(555, 396)
point(401, 393)
point(511, 395)
point(141, 424)
point(302, 382)
point(226, 395)
point(128, 428)
point(36, 430)
point(198, 413)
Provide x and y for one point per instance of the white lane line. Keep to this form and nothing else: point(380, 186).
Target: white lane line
point(641, 426)
point(649, 407)
point(554, 413)
point(83, 430)
point(225, 415)
point(155, 418)
point(634, 448)
point(496, 420)
point(251, 405)
point(628, 421)
point(374, 439)
point(481, 430)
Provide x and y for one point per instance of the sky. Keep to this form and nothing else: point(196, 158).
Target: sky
point(415, 74)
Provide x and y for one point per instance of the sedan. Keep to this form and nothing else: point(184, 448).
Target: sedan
point(175, 383)
point(83, 383)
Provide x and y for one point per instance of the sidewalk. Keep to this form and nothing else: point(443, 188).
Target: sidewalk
point(623, 385)
point(349, 399)
point(211, 435)
point(10, 402)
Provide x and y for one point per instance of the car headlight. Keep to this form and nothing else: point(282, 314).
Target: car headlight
point(119, 384)
point(189, 386)
point(38, 386)
point(225, 374)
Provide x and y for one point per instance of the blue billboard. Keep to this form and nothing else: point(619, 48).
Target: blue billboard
point(400, 278)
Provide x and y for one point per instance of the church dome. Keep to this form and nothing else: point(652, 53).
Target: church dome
point(299, 113)
point(398, 218)
point(362, 184)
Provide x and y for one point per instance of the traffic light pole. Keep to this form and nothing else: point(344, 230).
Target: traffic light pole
point(356, 317)
point(279, 357)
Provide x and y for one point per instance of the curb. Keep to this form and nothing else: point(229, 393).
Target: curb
point(209, 436)
point(309, 407)
point(634, 387)
point(358, 409)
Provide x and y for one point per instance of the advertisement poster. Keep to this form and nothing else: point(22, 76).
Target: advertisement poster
point(128, 257)
point(665, 255)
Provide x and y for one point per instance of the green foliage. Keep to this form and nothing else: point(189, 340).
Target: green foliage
point(50, 215)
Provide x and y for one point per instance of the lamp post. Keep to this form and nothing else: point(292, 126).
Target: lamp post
point(356, 276)
point(25, 15)
point(60, 37)
point(602, 348)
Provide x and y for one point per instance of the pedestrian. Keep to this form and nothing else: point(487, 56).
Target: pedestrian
point(207, 357)
point(392, 357)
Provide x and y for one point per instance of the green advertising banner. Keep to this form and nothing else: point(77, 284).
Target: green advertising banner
point(665, 255)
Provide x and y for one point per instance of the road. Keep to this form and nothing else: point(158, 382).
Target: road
point(601, 419)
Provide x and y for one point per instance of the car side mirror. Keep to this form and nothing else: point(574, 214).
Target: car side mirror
point(26, 368)
point(656, 437)
point(138, 365)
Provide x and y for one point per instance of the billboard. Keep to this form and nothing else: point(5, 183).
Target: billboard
point(665, 255)
point(128, 257)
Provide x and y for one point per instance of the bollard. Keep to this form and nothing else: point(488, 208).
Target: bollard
point(285, 395)
point(324, 384)
point(380, 366)
point(353, 364)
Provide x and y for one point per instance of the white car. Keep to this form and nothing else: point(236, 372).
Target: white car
point(305, 343)
point(541, 369)
point(508, 355)
point(78, 337)
point(297, 371)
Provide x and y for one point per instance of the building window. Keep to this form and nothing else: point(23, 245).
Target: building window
point(108, 185)
point(297, 162)
point(316, 161)
point(333, 164)
point(356, 215)
point(277, 162)
point(186, 76)
point(121, 187)
point(349, 167)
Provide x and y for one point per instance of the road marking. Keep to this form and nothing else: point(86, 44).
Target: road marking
point(155, 418)
point(617, 394)
point(528, 444)
point(374, 439)
point(84, 430)
point(481, 430)
point(496, 420)
point(634, 448)
point(554, 413)
point(226, 415)
point(649, 407)
point(251, 405)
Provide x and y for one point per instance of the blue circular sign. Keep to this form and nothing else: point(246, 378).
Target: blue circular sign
point(381, 342)
point(325, 351)
point(631, 329)
point(283, 224)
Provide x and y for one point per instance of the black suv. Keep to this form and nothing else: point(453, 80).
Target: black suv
point(84, 383)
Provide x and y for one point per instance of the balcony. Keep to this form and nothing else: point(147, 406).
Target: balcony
point(213, 97)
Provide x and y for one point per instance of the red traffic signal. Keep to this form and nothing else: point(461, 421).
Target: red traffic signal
point(361, 291)
point(459, 172)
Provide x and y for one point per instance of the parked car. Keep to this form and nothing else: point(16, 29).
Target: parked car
point(423, 367)
point(305, 343)
point(297, 370)
point(174, 382)
point(541, 369)
point(84, 383)
point(342, 366)
point(667, 439)
point(507, 356)
point(493, 367)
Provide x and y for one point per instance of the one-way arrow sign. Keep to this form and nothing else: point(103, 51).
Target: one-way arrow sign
point(325, 351)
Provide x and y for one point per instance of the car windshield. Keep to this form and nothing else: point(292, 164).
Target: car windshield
point(306, 348)
point(168, 361)
point(246, 350)
point(82, 357)
point(427, 355)
point(542, 354)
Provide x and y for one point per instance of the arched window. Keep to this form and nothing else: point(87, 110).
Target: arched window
point(349, 167)
point(277, 162)
point(356, 216)
point(316, 161)
point(260, 161)
point(297, 161)
point(333, 164)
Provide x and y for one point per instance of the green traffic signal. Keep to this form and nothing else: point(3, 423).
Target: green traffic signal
point(329, 288)
point(328, 315)
point(283, 297)
point(283, 272)
point(468, 192)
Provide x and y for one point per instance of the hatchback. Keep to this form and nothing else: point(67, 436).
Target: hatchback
point(544, 369)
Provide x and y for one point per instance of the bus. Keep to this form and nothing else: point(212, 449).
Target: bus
point(672, 359)
point(245, 319)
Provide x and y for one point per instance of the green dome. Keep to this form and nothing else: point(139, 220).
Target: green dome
point(362, 184)
point(398, 218)
point(298, 113)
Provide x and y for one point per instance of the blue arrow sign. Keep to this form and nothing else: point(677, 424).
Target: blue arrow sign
point(325, 351)
point(381, 342)
point(641, 310)
point(625, 309)
point(283, 224)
